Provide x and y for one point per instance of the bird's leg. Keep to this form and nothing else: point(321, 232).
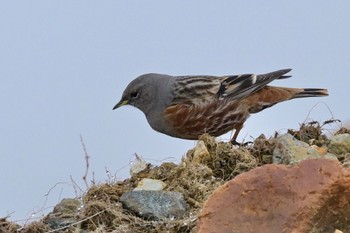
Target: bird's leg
point(235, 135)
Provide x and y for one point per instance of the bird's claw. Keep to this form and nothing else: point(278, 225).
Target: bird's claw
point(241, 144)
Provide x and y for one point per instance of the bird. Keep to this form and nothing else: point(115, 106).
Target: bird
point(188, 106)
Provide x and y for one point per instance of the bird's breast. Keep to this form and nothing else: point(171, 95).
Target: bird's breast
point(215, 118)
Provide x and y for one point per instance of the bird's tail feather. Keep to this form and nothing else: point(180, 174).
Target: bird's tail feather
point(311, 92)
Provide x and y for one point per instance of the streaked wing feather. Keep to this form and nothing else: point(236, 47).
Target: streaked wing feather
point(195, 89)
point(240, 86)
point(203, 89)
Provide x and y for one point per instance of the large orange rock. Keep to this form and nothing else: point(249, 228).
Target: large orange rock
point(312, 196)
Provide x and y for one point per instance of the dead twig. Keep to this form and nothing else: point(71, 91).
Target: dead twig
point(86, 162)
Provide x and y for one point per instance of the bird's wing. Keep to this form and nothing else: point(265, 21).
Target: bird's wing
point(195, 89)
point(240, 86)
point(202, 89)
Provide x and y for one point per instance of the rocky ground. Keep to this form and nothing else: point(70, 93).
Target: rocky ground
point(296, 182)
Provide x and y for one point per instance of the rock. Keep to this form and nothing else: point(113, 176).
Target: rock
point(312, 196)
point(339, 144)
point(150, 184)
point(64, 213)
point(289, 150)
point(154, 205)
point(323, 151)
point(320, 150)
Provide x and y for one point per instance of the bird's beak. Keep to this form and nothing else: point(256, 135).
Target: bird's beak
point(121, 103)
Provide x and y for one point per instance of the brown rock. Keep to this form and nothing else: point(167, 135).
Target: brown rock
point(313, 196)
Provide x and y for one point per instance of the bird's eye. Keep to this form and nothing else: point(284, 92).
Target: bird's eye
point(134, 94)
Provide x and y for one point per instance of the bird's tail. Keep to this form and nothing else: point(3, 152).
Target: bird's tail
point(311, 92)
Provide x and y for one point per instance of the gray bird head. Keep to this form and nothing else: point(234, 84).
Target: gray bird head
point(144, 91)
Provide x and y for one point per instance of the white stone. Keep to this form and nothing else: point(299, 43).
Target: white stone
point(150, 184)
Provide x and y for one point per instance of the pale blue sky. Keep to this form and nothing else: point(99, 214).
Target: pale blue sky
point(64, 65)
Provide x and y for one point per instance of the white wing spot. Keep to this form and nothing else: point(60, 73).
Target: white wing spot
point(254, 79)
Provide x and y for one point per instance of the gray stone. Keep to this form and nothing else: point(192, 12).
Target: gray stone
point(289, 150)
point(64, 213)
point(339, 144)
point(154, 205)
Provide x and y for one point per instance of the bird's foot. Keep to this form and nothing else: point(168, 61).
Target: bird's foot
point(241, 144)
